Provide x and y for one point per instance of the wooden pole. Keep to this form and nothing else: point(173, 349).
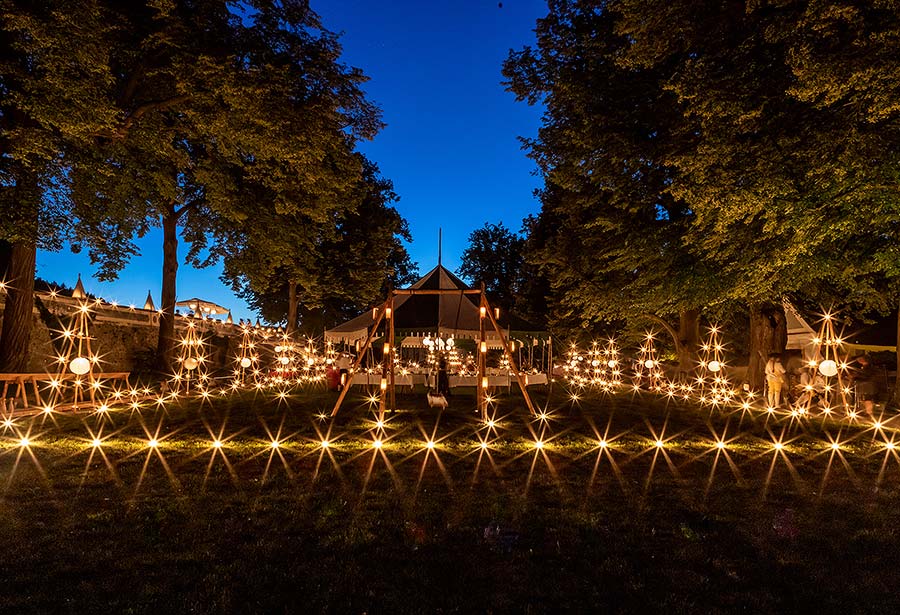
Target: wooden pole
point(512, 361)
point(482, 344)
point(356, 363)
point(391, 355)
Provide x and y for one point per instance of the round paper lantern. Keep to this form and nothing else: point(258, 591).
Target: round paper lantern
point(284, 360)
point(828, 368)
point(245, 362)
point(450, 343)
point(714, 366)
point(612, 363)
point(190, 363)
point(79, 366)
point(279, 348)
point(648, 363)
point(595, 363)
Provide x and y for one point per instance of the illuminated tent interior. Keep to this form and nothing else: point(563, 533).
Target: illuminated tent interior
point(418, 316)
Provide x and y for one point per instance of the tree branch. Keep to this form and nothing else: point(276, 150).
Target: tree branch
point(187, 207)
point(158, 105)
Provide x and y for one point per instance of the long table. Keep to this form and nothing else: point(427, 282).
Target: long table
point(409, 380)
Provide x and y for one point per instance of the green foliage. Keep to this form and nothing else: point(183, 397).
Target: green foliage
point(340, 265)
point(702, 154)
point(52, 77)
point(218, 110)
point(613, 234)
point(494, 257)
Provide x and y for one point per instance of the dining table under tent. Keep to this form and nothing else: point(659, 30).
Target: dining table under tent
point(441, 312)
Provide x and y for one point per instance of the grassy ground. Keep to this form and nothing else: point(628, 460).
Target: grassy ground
point(682, 527)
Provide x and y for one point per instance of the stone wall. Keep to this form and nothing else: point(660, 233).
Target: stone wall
point(125, 338)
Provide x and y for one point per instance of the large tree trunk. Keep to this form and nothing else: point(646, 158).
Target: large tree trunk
point(17, 314)
point(688, 340)
point(293, 302)
point(166, 342)
point(768, 334)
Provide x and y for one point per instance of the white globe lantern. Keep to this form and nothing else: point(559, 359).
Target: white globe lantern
point(279, 348)
point(595, 363)
point(612, 363)
point(190, 363)
point(828, 368)
point(245, 362)
point(649, 363)
point(714, 366)
point(284, 360)
point(79, 366)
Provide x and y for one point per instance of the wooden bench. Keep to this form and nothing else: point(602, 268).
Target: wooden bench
point(21, 382)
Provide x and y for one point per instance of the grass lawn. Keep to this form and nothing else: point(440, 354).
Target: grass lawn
point(632, 526)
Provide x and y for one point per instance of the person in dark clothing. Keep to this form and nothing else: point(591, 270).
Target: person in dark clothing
point(443, 379)
point(866, 383)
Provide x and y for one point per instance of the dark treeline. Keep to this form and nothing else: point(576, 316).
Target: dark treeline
point(230, 125)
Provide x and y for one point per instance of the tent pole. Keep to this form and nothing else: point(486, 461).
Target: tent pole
point(356, 364)
point(390, 355)
point(512, 361)
point(482, 342)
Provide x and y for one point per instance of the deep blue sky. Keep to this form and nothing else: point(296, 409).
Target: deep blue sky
point(450, 145)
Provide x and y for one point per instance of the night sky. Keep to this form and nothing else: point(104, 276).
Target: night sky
point(450, 145)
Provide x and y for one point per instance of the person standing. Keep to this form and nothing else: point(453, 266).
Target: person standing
point(775, 374)
point(866, 384)
point(443, 379)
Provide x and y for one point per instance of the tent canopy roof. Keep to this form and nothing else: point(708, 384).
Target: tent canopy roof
point(456, 314)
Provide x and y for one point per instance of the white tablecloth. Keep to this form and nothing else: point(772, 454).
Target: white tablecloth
point(364, 379)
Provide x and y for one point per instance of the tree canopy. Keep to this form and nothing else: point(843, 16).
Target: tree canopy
point(494, 257)
point(699, 153)
point(194, 116)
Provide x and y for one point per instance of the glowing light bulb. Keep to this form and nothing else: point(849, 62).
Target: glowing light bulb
point(217, 444)
point(778, 446)
point(24, 442)
point(325, 444)
point(538, 444)
point(152, 443)
point(96, 442)
point(275, 444)
point(720, 445)
point(483, 445)
point(603, 444)
point(660, 444)
point(377, 443)
point(429, 444)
